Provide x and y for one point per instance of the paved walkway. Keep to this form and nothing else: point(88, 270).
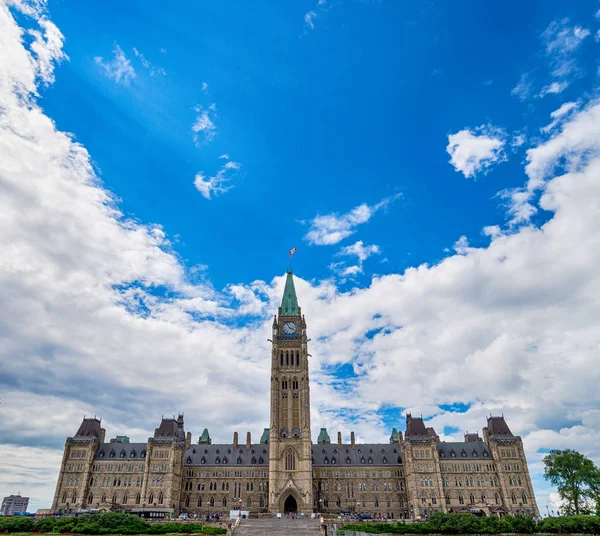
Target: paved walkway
point(297, 527)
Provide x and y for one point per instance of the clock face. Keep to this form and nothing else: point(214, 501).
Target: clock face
point(289, 327)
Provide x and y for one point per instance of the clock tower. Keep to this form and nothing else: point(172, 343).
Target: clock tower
point(290, 454)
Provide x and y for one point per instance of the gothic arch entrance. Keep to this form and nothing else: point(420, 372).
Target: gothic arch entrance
point(290, 505)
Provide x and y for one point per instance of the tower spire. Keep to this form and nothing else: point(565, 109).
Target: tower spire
point(289, 301)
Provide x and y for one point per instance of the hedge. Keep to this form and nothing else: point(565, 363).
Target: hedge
point(471, 524)
point(106, 523)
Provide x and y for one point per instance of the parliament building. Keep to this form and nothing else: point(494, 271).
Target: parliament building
point(412, 476)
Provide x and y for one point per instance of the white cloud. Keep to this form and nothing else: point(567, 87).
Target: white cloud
point(554, 88)
point(333, 228)
point(561, 42)
point(204, 87)
point(523, 88)
point(152, 70)
point(597, 36)
point(119, 69)
point(360, 250)
point(559, 115)
point(204, 127)
point(47, 47)
point(309, 18)
point(217, 184)
point(477, 150)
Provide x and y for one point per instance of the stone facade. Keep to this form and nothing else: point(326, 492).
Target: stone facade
point(411, 477)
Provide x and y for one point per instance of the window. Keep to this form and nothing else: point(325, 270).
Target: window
point(211, 502)
point(249, 503)
point(281, 359)
point(91, 498)
point(64, 497)
point(160, 498)
point(497, 498)
point(199, 501)
point(290, 461)
point(137, 499)
point(297, 358)
point(224, 502)
point(461, 499)
point(447, 499)
point(524, 498)
point(74, 497)
point(104, 497)
point(151, 498)
point(514, 498)
point(472, 499)
point(125, 499)
point(433, 499)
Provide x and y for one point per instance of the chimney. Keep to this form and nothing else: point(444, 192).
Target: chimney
point(102, 435)
point(248, 440)
point(340, 440)
point(352, 440)
point(235, 440)
point(188, 440)
point(486, 436)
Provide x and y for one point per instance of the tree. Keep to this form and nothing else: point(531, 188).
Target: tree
point(576, 478)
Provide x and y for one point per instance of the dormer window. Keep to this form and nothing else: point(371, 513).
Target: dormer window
point(474, 453)
point(217, 460)
point(261, 461)
point(348, 461)
point(362, 460)
point(225, 460)
point(203, 460)
point(253, 460)
point(111, 454)
point(189, 460)
point(384, 460)
point(122, 454)
point(463, 454)
point(326, 460)
point(452, 454)
point(370, 460)
point(442, 454)
point(132, 454)
point(239, 460)
point(485, 453)
point(333, 460)
point(101, 454)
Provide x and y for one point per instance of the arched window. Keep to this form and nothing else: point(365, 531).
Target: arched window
point(297, 358)
point(447, 499)
point(74, 497)
point(461, 499)
point(64, 497)
point(199, 501)
point(151, 498)
point(524, 498)
point(212, 502)
point(483, 499)
point(91, 498)
point(262, 501)
point(471, 499)
point(433, 499)
point(497, 498)
point(125, 499)
point(281, 359)
point(160, 498)
point(388, 502)
point(514, 498)
point(287, 359)
point(290, 461)
point(114, 499)
point(104, 497)
point(224, 502)
point(187, 501)
point(376, 502)
point(138, 499)
point(338, 502)
point(249, 502)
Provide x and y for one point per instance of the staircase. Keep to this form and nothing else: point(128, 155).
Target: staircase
point(283, 526)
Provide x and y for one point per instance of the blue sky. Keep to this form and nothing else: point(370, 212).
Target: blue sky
point(434, 163)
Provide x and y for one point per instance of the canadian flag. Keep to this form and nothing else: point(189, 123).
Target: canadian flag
point(292, 251)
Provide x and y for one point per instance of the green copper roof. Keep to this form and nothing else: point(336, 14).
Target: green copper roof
point(394, 437)
point(264, 438)
point(289, 302)
point(323, 437)
point(205, 437)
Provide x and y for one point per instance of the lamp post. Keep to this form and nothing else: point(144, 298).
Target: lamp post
point(548, 511)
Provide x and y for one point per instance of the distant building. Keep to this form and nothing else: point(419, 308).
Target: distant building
point(412, 476)
point(12, 504)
